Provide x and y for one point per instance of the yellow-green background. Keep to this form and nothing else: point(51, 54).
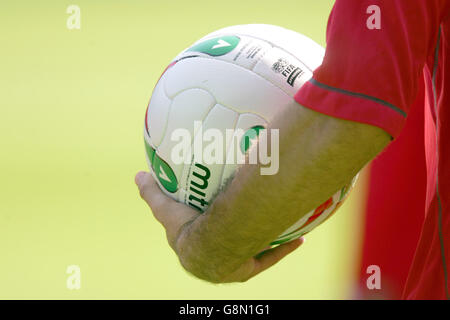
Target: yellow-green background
point(72, 106)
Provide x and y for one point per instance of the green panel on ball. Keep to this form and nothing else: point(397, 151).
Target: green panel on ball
point(150, 152)
point(165, 174)
point(250, 135)
point(217, 46)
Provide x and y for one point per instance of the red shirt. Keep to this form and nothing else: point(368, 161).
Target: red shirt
point(372, 76)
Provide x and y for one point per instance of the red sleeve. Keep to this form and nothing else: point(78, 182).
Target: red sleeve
point(372, 75)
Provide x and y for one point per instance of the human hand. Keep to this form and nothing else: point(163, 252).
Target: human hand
point(174, 216)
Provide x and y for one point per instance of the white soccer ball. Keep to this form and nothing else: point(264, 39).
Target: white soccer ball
point(238, 77)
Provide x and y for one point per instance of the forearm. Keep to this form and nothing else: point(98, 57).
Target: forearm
point(318, 155)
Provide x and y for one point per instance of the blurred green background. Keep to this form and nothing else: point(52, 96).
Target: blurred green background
point(72, 110)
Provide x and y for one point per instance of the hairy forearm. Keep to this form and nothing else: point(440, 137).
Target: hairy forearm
point(318, 155)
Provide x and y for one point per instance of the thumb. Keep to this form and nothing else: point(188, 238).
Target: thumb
point(150, 191)
point(165, 209)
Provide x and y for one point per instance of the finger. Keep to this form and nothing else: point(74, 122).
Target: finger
point(150, 191)
point(263, 252)
point(166, 210)
point(271, 257)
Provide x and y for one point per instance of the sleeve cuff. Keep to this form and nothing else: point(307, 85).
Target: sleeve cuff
point(351, 106)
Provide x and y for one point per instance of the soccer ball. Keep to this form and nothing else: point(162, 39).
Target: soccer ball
point(235, 79)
